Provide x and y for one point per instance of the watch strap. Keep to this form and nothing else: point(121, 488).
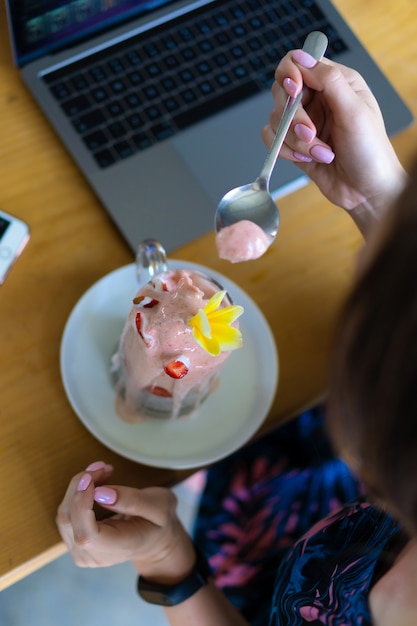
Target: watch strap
point(171, 595)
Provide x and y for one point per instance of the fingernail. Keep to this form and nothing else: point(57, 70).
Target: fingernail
point(290, 87)
point(323, 154)
point(304, 59)
point(84, 482)
point(97, 465)
point(304, 133)
point(105, 495)
point(302, 157)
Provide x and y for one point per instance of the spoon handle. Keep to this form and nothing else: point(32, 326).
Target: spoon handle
point(151, 260)
point(315, 44)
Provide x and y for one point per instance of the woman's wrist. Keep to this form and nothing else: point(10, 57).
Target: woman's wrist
point(369, 213)
point(172, 564)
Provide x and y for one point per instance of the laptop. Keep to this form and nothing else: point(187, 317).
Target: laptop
point(161, 102)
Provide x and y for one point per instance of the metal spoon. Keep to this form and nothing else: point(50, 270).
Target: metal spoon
point(253, 202)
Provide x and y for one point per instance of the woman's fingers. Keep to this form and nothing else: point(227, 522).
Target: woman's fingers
point(301, 132)
point(330, 93)
point(99, 472)
point(137, 513)
point(154, 504)
point(268, 134)
point(341, 88)
point(81, 489)
point(143, 528)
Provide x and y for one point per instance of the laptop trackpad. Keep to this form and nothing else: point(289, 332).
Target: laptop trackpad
point(226, 150)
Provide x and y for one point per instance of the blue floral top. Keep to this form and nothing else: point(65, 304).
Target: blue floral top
point(277, 523)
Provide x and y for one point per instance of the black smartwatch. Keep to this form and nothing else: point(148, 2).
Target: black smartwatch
point(170, 595)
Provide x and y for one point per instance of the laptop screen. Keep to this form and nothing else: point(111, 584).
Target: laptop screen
point(40, 27)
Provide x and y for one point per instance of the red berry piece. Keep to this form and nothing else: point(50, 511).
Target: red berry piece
point(138, 321)
point(176, 369)
point(149, 305)
point(145, 301)
point(139, 325)
point(156, 390)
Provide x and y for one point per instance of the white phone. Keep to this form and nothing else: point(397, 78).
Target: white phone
point(14, 235)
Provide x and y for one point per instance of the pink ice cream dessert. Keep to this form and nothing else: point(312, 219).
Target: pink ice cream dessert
point(242, 241)
point(179, 332)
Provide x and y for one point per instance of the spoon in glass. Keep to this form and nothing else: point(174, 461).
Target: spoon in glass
point(253, 202)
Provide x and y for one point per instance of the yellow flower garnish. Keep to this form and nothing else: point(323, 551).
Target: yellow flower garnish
point(212, 328)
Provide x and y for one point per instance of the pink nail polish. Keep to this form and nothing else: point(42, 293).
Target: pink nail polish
point(84, 482)
point(304, 133)
point(97, 465)
point(323, 154)
point(304, 59)
point(105, 495)
point(302, 157)
point(290, 87)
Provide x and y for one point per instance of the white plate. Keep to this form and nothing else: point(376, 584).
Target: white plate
point(226, 420)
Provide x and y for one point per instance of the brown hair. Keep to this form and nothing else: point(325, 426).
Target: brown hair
point(372, 405)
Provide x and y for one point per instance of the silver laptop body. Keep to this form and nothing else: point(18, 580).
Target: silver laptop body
point(165, 178)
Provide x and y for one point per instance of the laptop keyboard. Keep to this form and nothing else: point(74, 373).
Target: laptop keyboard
point(146, 89)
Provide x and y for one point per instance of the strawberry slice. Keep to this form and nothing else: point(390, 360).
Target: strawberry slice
point(176, 369)
point(138, 321)
point(156, 390)
point(149, 305)
point(145, 301)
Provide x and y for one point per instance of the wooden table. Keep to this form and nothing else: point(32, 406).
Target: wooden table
point(299, 284)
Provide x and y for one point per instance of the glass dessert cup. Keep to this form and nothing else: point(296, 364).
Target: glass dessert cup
point(179, 332)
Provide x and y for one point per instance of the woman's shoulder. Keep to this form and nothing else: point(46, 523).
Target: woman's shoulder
point(393, 599)
point(329, 571)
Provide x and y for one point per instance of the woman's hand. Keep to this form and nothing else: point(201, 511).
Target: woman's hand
point(338, 136)
point(145, 528)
